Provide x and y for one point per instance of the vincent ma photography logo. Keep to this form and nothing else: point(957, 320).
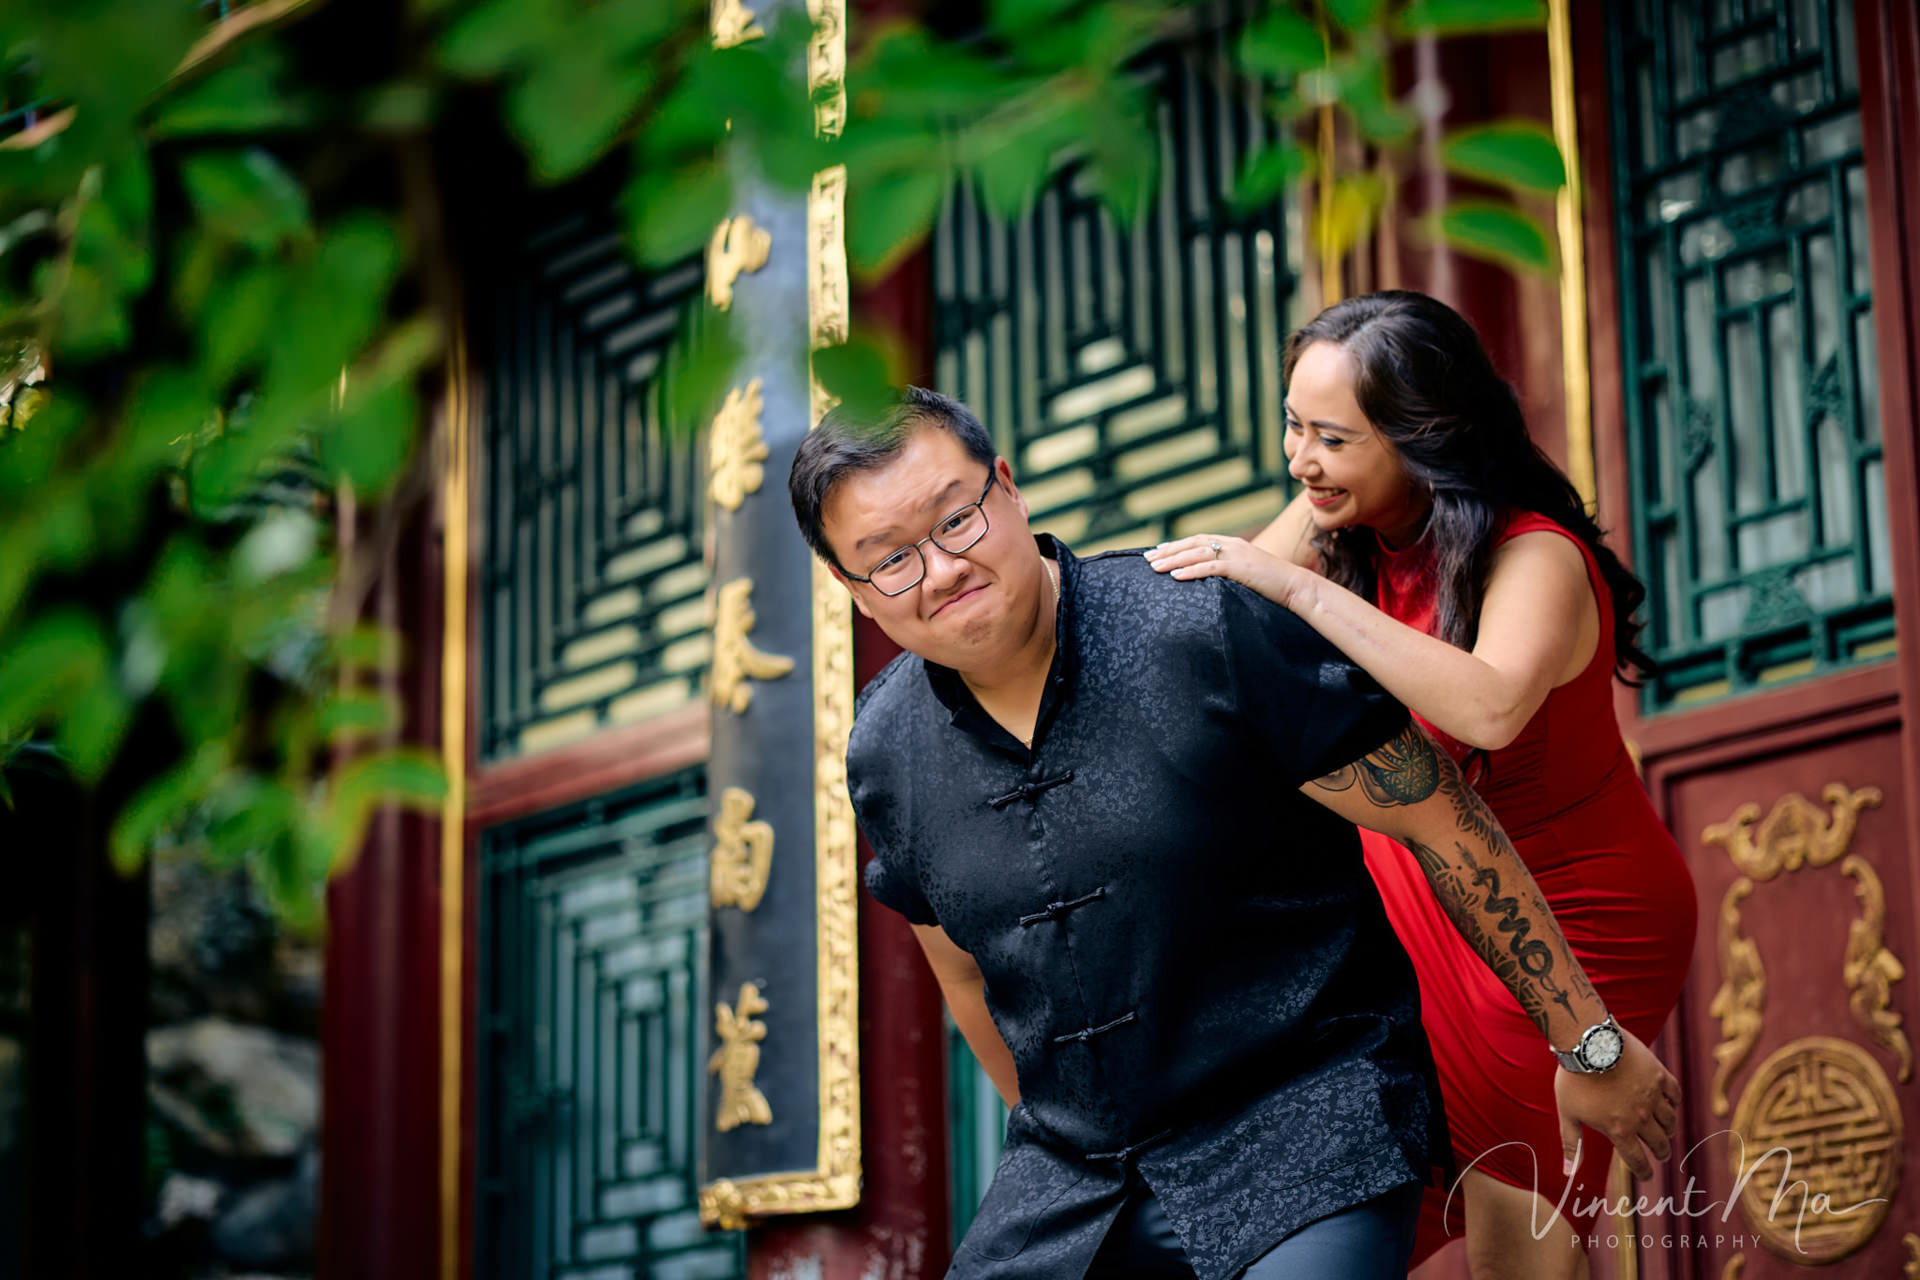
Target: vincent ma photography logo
point(1811, 1211)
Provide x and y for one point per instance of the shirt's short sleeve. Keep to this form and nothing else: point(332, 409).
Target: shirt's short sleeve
point(1317, 709)
point(893, 890)
point(880, 809)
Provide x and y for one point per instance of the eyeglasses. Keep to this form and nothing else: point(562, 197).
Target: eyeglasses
point(901, 572)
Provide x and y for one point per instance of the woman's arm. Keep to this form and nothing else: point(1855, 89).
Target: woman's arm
point(1412, 791)
point(965, 991)
point(1539, 626)
point(1290, 536)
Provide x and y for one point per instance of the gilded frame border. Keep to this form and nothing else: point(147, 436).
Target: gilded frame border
point(834, 1183)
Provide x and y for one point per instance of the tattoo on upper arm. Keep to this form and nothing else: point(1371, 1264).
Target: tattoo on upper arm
point(1406, 770)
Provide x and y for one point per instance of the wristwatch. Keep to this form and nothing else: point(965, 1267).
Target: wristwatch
point(1599, 1049)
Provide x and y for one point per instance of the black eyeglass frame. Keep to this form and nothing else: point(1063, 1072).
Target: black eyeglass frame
point(993, 476)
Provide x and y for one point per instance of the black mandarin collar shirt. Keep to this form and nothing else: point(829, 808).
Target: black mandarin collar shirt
point(1185, 955)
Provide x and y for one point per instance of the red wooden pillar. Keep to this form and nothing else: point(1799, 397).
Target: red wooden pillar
point(380, 1068)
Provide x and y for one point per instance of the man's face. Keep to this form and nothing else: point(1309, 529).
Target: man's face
point(970, 610)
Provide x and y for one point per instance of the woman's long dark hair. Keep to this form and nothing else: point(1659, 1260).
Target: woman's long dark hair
point(1424, 380)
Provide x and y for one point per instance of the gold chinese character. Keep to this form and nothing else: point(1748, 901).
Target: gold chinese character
point(743, 856)
point(737, 1060)
point(738, 246)
point(735, 660)
point(736, 448)
point(733, 23)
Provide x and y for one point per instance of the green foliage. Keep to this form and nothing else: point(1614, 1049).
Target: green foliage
point(861, 373)
point(218, 264)
point(1466, 17)
point(1518, 153)
point(1497, 233)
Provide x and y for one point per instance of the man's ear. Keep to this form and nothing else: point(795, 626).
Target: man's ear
point(1005, 472)
point(858, 603)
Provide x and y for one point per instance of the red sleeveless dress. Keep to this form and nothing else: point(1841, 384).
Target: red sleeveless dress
point(1567, 794)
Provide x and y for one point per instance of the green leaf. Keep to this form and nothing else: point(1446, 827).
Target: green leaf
point(407, 777)
point(246, 196)
point(166, 410)
point(126, 187)
point(365, 648)
point(497, 37)
point(349, 716)
point(700, 368)
point(1354, 15)
point(1519, 153)
point(674, 212)
point(162, 803)
point(1465, 17)
point(401, 107)
point(238, 318)
point(889, 215)
point(1013, 17)
point(1123, 170)
point(52, 661)
point(856, 374)
point(1269, 172)
point(92, 319)
point(1498, 233)
point(66, 525)
point(250, 815)
point(1366, 91)
point(94, 721)
point(1014, 168)
point(568, 112)
point(1281, 43)
point(637, 28)
point(372, 437)
point(245, 97)
point(332, 310)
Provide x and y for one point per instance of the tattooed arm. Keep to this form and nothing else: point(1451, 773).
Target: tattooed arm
point(1411, 791)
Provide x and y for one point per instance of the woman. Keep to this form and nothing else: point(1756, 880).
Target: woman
point(1444, 553)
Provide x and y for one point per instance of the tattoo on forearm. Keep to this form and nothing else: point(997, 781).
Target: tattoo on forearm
point(1404, 771)
point(1482, 885)
point(1501, 927)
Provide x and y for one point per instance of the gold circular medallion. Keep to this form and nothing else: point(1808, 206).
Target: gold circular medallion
point(1816, 1148)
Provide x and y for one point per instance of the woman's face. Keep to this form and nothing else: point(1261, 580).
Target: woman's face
point(1353, 476)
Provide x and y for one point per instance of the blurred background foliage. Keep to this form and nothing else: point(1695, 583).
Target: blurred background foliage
point(221, 322)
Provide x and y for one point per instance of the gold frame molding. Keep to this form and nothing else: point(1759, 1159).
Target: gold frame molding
point(835, 1181)
point(1576, 371)
point(456, 497)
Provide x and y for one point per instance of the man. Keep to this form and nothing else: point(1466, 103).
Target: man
point(1118, 812)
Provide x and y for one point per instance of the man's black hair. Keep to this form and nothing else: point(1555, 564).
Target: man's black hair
point(845, 443)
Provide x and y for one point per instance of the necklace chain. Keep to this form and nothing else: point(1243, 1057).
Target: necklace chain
point(1053, 580)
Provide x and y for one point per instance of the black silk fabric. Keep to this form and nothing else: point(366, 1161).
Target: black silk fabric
point(1185, 955)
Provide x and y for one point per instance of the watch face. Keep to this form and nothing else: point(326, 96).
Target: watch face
point(1603, 1048)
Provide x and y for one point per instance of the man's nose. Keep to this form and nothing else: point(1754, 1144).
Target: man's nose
point(943, 567)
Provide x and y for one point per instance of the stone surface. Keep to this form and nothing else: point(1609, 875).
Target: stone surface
point(240, 1091)
point(271, 1224)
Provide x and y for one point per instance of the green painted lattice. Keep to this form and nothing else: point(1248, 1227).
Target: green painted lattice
point(593, 607)
point(591, 1077)
point(1759, 505)
point(1132, 379)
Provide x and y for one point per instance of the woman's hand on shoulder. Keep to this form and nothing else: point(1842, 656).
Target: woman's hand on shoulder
point(1213, 555)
